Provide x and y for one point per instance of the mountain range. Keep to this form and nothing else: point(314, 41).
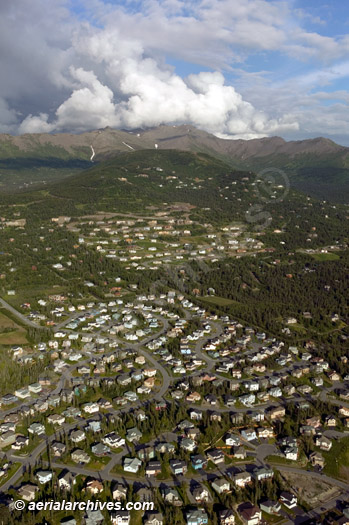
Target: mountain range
point(318, 167)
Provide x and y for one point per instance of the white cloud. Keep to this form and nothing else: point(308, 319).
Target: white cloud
point(149, 96)
point(36, 124)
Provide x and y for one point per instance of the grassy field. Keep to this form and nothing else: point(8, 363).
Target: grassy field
point(32, 293)
point(216, 300)
point(325, 256)
point(11, 333)
point(337, 459)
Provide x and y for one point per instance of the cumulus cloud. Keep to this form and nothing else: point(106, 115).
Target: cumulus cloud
point(153, 98)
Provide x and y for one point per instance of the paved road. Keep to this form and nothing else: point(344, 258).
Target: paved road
point(18, 314)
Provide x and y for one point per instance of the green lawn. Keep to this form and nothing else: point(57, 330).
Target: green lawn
point(118, 469)
point(269, 518)
point(325, 256)
point(216, 300)
point(300, 463)
point(11, 471)
point(337, 459)
point(98, 463)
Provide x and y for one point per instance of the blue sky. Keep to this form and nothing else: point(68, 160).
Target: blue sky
point(237, 69)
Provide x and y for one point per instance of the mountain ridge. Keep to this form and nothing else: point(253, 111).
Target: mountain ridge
point(112, 138)
point(316, 166)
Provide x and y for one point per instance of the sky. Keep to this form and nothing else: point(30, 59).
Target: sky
point(236, 68)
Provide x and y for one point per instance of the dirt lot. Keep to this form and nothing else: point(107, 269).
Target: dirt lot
point(314, 493)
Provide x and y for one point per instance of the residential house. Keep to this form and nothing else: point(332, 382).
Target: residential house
point(80, 456)
point(314, 421)
point(288, 499)
point(265, 432)
point(35, 388)
point(153, 518)
point(94, 486)
point(146, 453)
point(317, 460)
point(276, 413)
point(165, 448)
point(58, 449)
point(66, 480)
point(248, 434)
point(237, 418)
point(304, 389)
point(178, 467)
point(250, 514)
point(22, 393)
point(153, 468)
point(226, 517)
point(7, 438)
point(133, 435)
point(113, 440)
point(221, 485)
point(270, 507)
point(100, 449)
point(20, 442)
point(149, 383)
point(232, 440)
point(76, 436)
point(198, 462)
point(43, 476)
point(289, 390)
point(56, 419)
point(145, 494)
point(247, 399)
point(8, 399)
point(119, 491)
point(333, 376)
point(193, 433)
point(275, 391)
point(261, 473)
point(201, 494)
point(196, 516)
point(188, 444)
point(256, 415)
point(330, 421)
point(291, 453)
point(132, 465)
point(171, 496)
point(37, 429)
point(323, 442)
point(193, 397)
point(91, 408)
point(120, 517)
point(195, 414)
point(216, 456)
point(238, 452)
point(215, 416)
point(307, 430)
point(28, 491)
point(343, 411)
point(241, 479)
